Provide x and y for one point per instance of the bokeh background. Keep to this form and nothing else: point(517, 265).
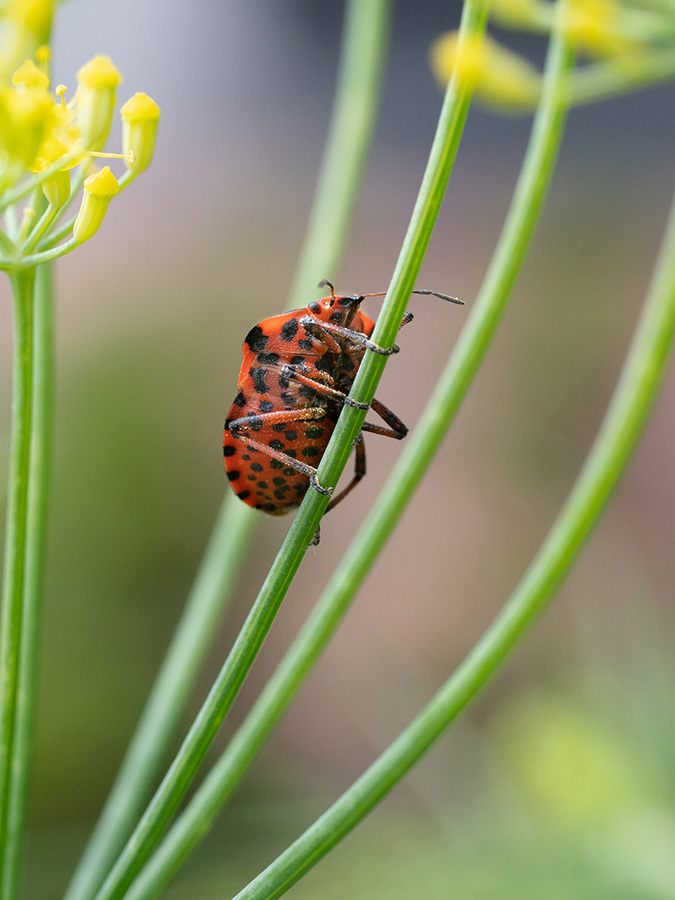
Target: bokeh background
point(559, 782)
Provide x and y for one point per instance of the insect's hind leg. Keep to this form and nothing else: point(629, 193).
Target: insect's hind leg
point(359, 472)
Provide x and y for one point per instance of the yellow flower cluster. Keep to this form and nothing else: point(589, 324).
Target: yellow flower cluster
point(604, 29)
point(43, 138)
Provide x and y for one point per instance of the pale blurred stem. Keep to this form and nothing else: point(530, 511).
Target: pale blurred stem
point(362, 62)
point(41, 443)
point(14, 570)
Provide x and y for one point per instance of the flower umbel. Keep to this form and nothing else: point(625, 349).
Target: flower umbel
point(42, 138)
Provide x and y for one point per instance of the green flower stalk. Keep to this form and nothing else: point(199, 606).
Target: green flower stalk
point(42, 139)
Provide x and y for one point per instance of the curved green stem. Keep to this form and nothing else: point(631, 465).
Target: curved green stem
point(282, 687)
point(14, 571)
point(362, 63)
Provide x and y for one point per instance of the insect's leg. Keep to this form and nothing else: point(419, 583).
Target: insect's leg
point(407, 318)
point(359, 472)
point(396, 427)
point(241, 429)
point(295, 373)
point(325, 329)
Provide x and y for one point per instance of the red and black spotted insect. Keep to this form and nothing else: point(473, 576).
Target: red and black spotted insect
point(296, 373)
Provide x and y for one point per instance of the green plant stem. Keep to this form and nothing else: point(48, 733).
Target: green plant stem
point(14, 571)
point(41, 444)
point(508, 258)
point(282, 687)
point(212, 589)
point(636, 392)
point(611, 78)
point(365, 37)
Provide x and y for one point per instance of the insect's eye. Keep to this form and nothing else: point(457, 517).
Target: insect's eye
point(314, 307)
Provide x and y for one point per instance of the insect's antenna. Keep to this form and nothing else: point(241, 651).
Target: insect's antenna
point(326, 283)
point(441, 296)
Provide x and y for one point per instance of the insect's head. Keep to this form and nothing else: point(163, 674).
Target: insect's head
point(336, 309)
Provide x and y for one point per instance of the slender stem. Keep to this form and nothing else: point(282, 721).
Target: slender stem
point(611, 79)
point(41, 444)
point(14, 572)
point(365, 38)
point(508, 258)
point(365, 35)
point(194, 634)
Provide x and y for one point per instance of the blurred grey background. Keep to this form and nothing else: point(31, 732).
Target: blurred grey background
point(559, 783)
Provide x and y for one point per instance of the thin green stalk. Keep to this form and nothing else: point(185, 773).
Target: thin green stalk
point(636, 392)
point(365, 38)
point(41, 444)
point(362, 62)
point(286, 564)
point(210, 594)
point(14, 571)
point(507, 260)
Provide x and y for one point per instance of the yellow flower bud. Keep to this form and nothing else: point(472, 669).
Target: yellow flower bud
point(26, 118)
point(140, 120)
point(29, 75)
point(98, 191)
point(56, 188)
point(593, 26)
point(98, 80)
point(498, 76)
point(35, 15)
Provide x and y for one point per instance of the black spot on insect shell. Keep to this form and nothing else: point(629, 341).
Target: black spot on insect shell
point(267, 359)
point(239, 400)
point(250, 477)
point(229, 450)
point(233, 475)
point(258, 378)
point(291, 435)
point(280, 494)
point(275, 464)
point(253, 423)
point(262, 485)
point(289, 330)
point(278, 480)
point(306, 344)
point(307, 392)
point(284, 382)
point(310, 451)
point(326, 363)
point(288, 472)
point(256, 339)
point(297, 360)
point(276, 445)
point(266, 406)
point(279, 426)
point(245, 456)
point(243, 494)
point(291, 453)
point(256, 467)
point(313, 434)
point(288, 399)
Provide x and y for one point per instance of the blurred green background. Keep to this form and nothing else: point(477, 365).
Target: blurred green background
point(559, 783)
